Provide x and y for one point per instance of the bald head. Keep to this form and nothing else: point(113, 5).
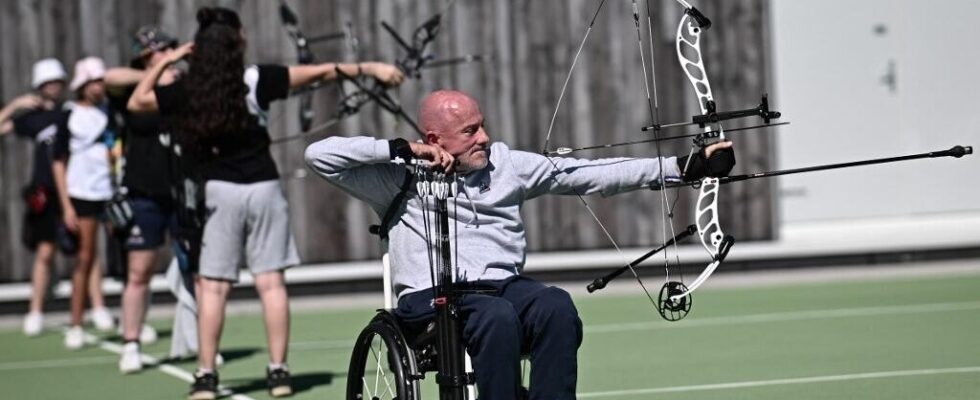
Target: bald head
point(443, 110)
point(452, 120)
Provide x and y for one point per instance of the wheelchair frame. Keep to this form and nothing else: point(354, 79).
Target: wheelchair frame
point(399, 363)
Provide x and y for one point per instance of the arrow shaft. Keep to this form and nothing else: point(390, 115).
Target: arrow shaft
point(955, 152)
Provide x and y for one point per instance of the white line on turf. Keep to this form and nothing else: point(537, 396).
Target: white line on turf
point(57, 363)
point(786, 381)
point(726, 320)
point(322, 345)
point(168, 369)
point(786, 316)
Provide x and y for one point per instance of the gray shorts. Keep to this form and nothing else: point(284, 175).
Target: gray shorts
point(247, 224)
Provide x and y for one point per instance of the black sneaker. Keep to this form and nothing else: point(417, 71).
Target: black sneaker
point(205, 386)
point(279, 382)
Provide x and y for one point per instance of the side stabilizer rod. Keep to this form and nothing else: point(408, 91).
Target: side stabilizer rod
point(601, 282)
point(955, 152)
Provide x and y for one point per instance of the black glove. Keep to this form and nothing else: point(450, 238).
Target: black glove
point(400, 148)
point(719, 164)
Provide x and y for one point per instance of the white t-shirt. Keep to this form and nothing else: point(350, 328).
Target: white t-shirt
point(88, 156)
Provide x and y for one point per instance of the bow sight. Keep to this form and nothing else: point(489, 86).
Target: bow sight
point(714, 117)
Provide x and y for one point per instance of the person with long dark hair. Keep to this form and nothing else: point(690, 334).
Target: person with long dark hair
point(220, 113)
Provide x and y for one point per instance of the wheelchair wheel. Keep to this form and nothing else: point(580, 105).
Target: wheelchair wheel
point(381, 365)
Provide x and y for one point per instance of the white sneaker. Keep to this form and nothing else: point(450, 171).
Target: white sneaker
point(102, 319)
point(148, 335)
point(74, 338)
point(129, 361)
point(33, 323)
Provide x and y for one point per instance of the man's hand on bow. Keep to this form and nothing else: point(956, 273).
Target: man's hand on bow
point(715, 160)
point(440, 159)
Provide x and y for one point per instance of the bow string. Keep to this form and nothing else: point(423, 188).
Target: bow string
point(674, 300)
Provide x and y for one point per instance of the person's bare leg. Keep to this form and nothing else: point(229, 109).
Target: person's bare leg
point(95, 283)
point(83, 266)
point(210, 319)
point(275, 312)
point(41, 275)
point(141, 263)
point(197, 286)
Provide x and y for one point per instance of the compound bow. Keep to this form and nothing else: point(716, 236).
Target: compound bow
point(415, 59)
point(674, 300)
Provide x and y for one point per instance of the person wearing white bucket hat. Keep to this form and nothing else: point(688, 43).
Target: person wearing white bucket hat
point(35, 116)
point(48, 81)
point(87, 70)
point(82, 168)
point(47, 70)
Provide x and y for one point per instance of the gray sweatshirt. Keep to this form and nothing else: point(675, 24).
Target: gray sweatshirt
point(485, 221)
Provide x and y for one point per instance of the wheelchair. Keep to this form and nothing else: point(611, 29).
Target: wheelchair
point(390, 359)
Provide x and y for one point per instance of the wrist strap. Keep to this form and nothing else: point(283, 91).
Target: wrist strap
point(400, 148)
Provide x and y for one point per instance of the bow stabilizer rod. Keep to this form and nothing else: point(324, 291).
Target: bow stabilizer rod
point(448, 62)
point(955, 152)
point(601, 282)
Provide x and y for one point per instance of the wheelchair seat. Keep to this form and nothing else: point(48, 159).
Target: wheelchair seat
point(391, 357)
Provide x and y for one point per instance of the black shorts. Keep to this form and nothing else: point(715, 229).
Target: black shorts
point(89, 209)
point(41, 227)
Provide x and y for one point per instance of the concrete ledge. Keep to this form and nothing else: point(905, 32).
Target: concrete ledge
point(913, 234)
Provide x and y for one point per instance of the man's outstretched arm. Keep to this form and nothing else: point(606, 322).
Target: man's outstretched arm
point(605, 176)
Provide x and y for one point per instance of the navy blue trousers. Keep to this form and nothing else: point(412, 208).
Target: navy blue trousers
point(521, 314)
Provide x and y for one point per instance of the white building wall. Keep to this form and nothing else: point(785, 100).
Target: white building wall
point(832, 63)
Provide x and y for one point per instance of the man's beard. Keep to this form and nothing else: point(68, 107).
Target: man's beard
point(470, 166)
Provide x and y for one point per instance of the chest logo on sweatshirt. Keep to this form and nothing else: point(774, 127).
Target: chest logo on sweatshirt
point(485, 184)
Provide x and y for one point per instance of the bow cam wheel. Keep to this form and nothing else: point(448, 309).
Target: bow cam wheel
point(671, 307)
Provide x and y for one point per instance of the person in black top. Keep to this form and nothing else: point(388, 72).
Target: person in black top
point(220, 113)
point(35, 116)
point(146, 180)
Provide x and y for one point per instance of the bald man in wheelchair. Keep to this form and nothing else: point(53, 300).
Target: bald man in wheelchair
point(516, 313)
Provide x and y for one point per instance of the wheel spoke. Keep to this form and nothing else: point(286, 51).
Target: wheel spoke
point(380, 375)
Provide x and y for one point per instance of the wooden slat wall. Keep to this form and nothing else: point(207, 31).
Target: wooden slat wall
point(531, 44)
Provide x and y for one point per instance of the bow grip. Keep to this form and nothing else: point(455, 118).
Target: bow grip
point(724, 247)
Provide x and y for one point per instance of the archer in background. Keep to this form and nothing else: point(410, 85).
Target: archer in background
point(36, 116)
point(519, 313)
point(147, 177)
point(82, 171)
point(219, 110)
